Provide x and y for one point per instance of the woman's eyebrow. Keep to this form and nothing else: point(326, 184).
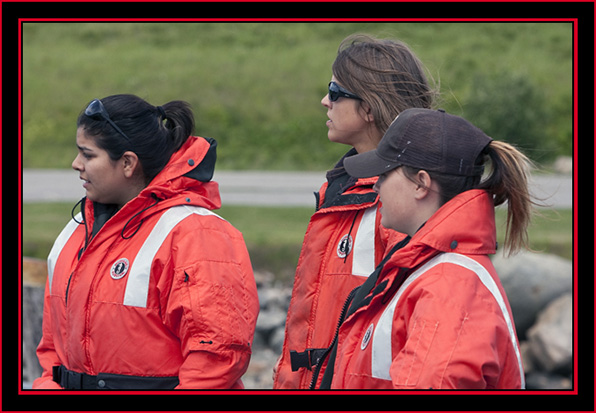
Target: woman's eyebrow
point(84, 148)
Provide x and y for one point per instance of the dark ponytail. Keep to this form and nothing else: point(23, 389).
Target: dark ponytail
point(179, 121)
point(154, 133)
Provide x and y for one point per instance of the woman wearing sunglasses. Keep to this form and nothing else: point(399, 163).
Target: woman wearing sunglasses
point(373, 80)
point(147, 287)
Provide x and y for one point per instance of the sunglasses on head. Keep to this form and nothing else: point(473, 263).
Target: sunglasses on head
point(336, 92)
point(97, 111)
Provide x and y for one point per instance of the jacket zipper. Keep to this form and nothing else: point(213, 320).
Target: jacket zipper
point(320, 361)
point(375, 290)
point(82, 250)
point(67, 288)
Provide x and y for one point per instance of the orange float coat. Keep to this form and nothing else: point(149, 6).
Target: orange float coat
point(163, 288)
point(344, 242)
point(437, 316)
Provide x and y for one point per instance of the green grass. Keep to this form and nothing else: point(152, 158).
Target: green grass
point(274, 235)
point(551, 231)
point(256, 87)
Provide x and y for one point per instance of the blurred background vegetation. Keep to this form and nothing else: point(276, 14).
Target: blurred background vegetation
point(256, 87)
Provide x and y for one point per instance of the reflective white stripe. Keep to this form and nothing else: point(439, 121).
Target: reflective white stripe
point(137, 285)
point(59, 244)
point(363, 260)
point(381, 345)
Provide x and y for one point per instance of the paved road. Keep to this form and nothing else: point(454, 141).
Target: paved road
point(257, 188)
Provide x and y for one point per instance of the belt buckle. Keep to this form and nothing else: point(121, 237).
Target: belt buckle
point(303, 359)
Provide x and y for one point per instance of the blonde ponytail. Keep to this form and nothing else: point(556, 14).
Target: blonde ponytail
point(508, 182)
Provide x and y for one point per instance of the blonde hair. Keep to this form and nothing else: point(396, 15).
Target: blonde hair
point(508, 182)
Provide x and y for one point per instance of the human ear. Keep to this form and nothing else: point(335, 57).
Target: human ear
point(130, 162)
point(424, 181)
point(367, 112)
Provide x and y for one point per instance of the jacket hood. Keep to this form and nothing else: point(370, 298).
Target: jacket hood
point(186, 179)
point(465, 225)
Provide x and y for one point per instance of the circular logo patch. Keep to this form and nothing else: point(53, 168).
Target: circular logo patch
point(119, 269)
point(345, 246)
point(367, 336)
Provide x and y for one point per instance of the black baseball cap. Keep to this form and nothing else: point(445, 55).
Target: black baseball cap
point(425, 139)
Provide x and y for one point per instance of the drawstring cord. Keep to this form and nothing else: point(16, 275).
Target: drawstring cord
point(83, 222)
point(72, 212)
point(137, 214)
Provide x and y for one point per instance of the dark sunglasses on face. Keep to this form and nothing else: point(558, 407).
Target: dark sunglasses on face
point(97, 111)
point(336, 92)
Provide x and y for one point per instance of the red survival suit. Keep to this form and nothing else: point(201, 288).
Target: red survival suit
point(159, 294)
point(344, 242)
point(437, 316)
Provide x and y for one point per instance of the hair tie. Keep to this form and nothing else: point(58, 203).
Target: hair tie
point(162, 112)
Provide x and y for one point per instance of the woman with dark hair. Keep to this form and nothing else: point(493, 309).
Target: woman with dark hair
point(372, 81)
point(434, 315)
point(147, 287)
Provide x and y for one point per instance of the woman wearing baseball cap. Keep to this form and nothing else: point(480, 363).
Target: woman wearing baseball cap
point(434, 315)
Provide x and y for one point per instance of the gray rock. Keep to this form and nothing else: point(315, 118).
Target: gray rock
point(551, 338)
point(276, 341)
point(544, 381)
point(532, 281)
point(268, 322)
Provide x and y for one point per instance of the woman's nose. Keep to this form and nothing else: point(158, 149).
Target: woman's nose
point(325, 101)
point(76, 164)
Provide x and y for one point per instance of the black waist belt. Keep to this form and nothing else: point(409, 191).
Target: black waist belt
point(71, 380)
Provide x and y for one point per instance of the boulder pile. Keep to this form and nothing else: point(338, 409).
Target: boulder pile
point(540, 292)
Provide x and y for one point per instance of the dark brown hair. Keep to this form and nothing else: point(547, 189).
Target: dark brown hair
point(386, 74)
